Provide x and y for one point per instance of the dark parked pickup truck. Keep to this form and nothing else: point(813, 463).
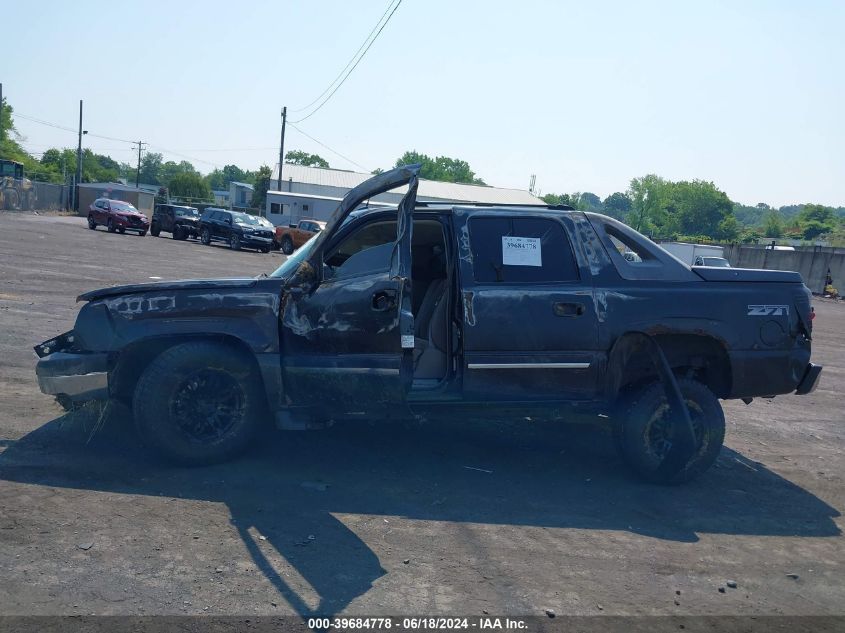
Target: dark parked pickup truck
point(446, 310)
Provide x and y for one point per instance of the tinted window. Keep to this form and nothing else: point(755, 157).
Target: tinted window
point(520, 250)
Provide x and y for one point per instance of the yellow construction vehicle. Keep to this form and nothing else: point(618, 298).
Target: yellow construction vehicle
point(16, 192)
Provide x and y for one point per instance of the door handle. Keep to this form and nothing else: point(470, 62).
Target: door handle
point(563, 309)
point(384, 300)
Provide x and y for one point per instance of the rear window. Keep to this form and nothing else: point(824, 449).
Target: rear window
point(521, 250)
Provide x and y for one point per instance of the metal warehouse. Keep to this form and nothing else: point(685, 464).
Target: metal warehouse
point(314, 192)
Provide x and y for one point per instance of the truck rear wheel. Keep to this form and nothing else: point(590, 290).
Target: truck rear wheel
point(287, 245)
point(199, 403)
point(646, 431)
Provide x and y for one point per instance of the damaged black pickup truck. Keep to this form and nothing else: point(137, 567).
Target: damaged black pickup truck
point(446, 310)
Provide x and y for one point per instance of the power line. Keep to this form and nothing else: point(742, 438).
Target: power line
point(342, 81)
point(340, 74)
point(42, 122)
point(190, 158)
point(226, 149)
point(306, 134)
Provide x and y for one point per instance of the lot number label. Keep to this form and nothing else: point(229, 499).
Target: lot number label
point(521, 251)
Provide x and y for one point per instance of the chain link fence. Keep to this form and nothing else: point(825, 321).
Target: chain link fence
point(50, 197)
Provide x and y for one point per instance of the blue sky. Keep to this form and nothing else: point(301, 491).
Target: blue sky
point(586, 95)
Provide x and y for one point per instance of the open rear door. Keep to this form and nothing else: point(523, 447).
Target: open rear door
point(346, 323)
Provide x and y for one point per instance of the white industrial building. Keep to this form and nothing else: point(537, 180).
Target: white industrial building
point(314, 192)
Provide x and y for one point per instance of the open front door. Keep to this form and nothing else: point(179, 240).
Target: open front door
point(346, 325)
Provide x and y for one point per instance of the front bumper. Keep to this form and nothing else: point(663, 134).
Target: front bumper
point(256, 240)
point(189, 228)
point(133, 225)
point(78, 377)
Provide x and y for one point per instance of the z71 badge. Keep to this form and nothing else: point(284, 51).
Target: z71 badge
point(768, 310)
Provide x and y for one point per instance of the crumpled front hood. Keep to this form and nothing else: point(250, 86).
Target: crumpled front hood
point(158, 286)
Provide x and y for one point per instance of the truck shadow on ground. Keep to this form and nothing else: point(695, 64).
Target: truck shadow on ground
point(525, 474)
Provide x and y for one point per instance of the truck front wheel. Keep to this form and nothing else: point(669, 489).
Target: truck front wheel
point(647, 428)
point(199, 403)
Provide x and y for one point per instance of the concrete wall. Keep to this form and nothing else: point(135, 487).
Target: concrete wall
point(813, 264)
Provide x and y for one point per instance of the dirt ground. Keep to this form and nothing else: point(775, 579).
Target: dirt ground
point(390, 519)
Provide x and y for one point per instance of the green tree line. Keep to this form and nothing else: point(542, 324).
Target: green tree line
point(663, 209)
point(697, 210)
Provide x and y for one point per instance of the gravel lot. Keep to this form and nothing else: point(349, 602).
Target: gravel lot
point(388, 519)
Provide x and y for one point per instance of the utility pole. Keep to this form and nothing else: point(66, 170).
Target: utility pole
point(282, 147)
point(138, 173)
point(78, 162)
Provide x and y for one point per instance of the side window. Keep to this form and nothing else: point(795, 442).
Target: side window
point(367, 250)
point(275, 208)
point(632, 252)
point(521, 250)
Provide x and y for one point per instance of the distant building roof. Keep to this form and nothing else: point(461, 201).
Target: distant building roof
point(242, 184)
point(428, 189)
point(111, 186)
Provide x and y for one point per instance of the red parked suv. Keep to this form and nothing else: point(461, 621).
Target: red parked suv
point(117, 215)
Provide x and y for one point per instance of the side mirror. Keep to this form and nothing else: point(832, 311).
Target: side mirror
point(303, 280)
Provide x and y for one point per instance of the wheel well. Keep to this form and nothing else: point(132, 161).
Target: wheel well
point(135, 358)
point(696, 356)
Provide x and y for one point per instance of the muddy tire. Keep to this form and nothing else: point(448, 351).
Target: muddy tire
point(91, 223)
point(199, 403)
point(155, 230)
point(11, 200)
point(205, 237)
point(644, 431)
point(287, 245)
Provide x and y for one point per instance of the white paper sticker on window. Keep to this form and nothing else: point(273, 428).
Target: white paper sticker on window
point(521, 251)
